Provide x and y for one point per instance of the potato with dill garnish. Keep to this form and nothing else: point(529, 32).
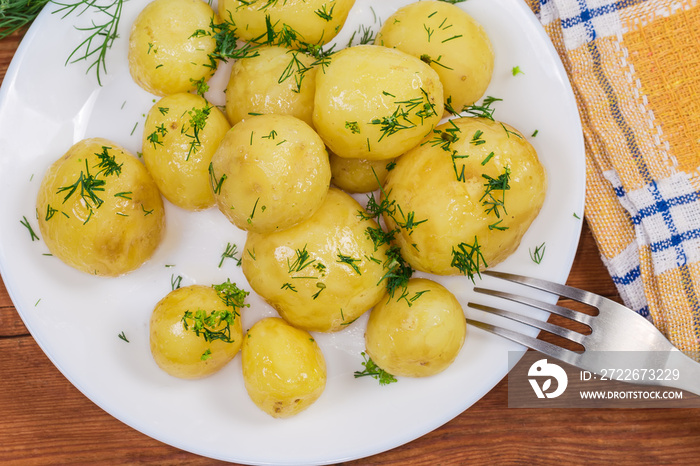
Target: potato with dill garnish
point(277, 80)
point(196, 330)
point(284, 370)
point(171, 46)
point(450, 41)
point(181, 133)
point(359, 175)
point(418, 332)
point(463, 199)
point(310, 21)
point(386, 105)
point(325, 272)
point(99, 209)
point(270, 172)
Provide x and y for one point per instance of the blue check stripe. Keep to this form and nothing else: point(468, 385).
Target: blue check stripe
point(587, 14)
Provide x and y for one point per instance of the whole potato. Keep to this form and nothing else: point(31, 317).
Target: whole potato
point(358, 175)
point(166, 52)
point(277, 80)
point(450, 40)
point(196, 330)
point(270, 172)
point(284, 370)
point(99, 209)
point(471, 190)
point(418, 334)
point(375, 102)
point(181, 133)
point(323, 273)
point(310, 21)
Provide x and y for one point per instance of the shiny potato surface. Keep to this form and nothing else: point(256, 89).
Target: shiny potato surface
point(450, 40)
point(310, 21)
point(270, 172)
point(181, 133)
point(99, 209)
point(472, 196)
point(419, 334)
point(194, 332)
point(166, 54)
point(358, 175)
point(284, 370)
point(375, 102)
point(323, 273)
point(278, 80)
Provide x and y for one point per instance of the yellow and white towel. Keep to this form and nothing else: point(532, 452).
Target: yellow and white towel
point(635, 69)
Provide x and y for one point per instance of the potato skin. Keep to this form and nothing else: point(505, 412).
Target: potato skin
point(275, 173)
point(416, 336)
point(457, 47)
point(284, 370)
point(425, 182)
point(326, 294)
point(351, 109)
point(267, 84)
point(358, 175)
point(181, 133)
point(110, 236)
point(165, 56)
point(299, 15)
point(181, 352)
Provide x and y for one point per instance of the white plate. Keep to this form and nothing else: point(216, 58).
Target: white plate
point(76, 318)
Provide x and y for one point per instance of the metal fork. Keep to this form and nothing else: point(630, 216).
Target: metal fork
point(616, 331)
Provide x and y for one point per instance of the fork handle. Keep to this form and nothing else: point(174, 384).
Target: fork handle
point(687, 370)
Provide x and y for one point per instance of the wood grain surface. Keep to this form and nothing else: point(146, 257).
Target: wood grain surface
point(45, 420)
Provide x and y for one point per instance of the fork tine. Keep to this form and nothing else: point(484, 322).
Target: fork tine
point(543, 347)
point(552, 308)
point(546, 326)
point(550, 287)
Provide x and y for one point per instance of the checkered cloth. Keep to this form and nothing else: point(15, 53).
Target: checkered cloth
point(635, 69)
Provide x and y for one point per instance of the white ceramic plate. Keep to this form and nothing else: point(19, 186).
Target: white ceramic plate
point(76, 318)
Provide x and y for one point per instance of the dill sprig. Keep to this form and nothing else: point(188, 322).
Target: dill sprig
point(371, 369)
point(468, 259)
point(16, 14)
point(102, 33)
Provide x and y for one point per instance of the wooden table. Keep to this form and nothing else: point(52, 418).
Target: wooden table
point(45, 420)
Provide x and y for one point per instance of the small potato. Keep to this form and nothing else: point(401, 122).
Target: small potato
point(278, 80)
point(375, 102)
point(270, 172)
point(310, 21)
point(476, 192)
point(99, 209)
point(166, 54)
point(323, 273)
point(181, 134)
point(451, 41)
point(196, 330)
point(358, 175)
point(284, 370)
point(419, 334)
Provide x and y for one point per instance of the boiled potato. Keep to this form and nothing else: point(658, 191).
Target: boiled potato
point(196, 330)
point(418, 334)
point(310, 21)
point(475, 186)
point(284, 371)
point(166, 54)
point(375, 102)
point(99, 209)
point(277, 80)
point(181, 134)
point(450, 40)
point(358, 175)
point(270, 172)
point(323, 273)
